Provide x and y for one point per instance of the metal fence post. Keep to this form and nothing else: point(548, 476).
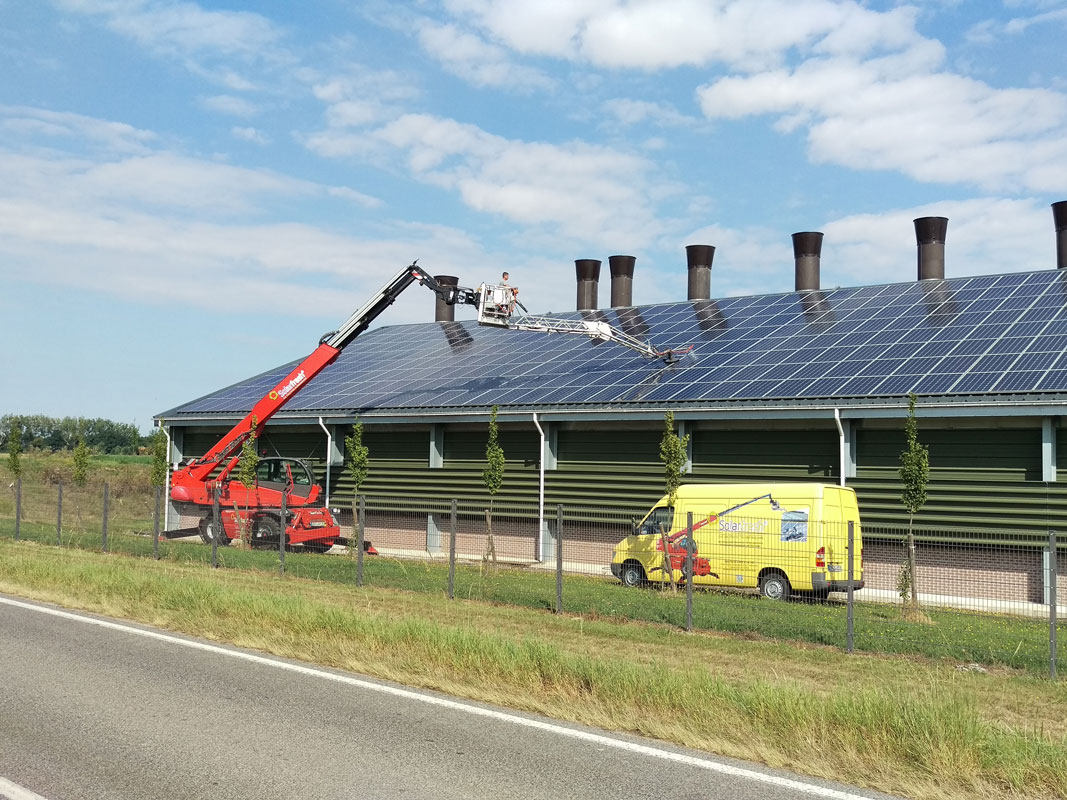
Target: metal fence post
point(452, 555)
point(850, 618)
point(1053, 574)
point(361, 533)
point(283, 520)
point(59, 516)
point(689, 574)
point(559, 558)
point(18, 506)
point(103, 527)
point(155, 523)
point(217, 518)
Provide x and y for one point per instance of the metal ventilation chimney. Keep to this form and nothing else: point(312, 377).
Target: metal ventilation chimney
point(622, 280)
point(698, 258)
point(930, 236)
point(587, 271)
point(1059, 217)
point(807, 253)
point(442, 311)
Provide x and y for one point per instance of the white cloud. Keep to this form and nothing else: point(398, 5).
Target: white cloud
point(476, 61)
point(228, 104)
point(171, 229)
point(662, 34)
point(253, 135)
point(587, 192)
point(362, 97)
point(625, 111)
point(184, 28)
point(1020, 24)
point(359, 198)
point(218, 46)
point(889, 114)
point(985, 235)
point(37, 124)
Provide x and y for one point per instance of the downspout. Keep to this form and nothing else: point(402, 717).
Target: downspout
point(166, 497)
point(840, 445)
point(329, 458)
point(540, 489)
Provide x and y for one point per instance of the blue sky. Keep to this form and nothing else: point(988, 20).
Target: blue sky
point(192, 193)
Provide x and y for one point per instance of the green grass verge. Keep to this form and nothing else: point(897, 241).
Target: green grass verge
point(962, 637)
point(912, 728)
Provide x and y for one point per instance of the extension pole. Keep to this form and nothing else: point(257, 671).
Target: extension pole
point(452, 554)
point(850, 617)
point(360, 539)
point(155, 523)
point(559, 558)
point(1053, 570)
point(689, 575)
point(103, 530)
point(59, 516)
point(284, 520)
point(217, 517)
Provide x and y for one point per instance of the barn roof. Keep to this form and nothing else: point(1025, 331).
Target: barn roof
point(1000, 336)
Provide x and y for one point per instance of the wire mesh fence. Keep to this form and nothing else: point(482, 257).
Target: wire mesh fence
point(982, 598)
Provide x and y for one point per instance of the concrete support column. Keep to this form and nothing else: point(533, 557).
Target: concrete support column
point(1048, 449)
point(177, 453)
point(685, 428)
point(848, 466)
point(437, 446)
point(551, 444)
point(336, 456)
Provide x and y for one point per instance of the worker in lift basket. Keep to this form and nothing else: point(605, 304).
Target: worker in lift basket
point(514, 291)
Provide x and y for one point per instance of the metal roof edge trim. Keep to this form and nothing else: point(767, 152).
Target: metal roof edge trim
point(813, 410)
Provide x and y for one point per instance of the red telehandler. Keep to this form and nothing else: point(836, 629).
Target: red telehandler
point(197, 484)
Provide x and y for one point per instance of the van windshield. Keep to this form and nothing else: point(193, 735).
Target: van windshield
point(661, 515)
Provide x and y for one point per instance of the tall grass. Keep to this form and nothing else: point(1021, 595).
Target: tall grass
point(922, 730)
point(981, 638)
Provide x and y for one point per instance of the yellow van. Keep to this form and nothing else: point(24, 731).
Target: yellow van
point(778, 537)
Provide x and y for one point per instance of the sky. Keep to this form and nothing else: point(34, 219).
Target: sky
point(192, 193)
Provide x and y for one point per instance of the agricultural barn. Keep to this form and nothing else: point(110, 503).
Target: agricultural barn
point(804, 385)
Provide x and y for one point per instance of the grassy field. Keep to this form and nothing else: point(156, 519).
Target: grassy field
point(906, 726)
point(959, 637)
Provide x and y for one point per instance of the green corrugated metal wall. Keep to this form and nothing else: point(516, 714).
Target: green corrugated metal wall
point(978, 478)
point(399, 466)
point(986, 478)
point(614, 470)
point(764, 455)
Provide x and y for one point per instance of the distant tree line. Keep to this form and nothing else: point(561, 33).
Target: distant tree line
point(101, 436)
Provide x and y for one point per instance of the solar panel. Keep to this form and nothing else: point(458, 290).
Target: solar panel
point(959, 336)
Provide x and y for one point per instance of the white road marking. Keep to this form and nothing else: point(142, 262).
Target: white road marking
point(559, 730)
point(12, 791)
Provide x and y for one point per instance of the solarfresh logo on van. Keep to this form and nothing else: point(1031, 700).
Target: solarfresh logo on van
point(746, 526)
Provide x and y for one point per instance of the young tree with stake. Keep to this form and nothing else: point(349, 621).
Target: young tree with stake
point(247, 464)
point(358, 469)
point(672, 452)
point(915, 475)
point(493, 478)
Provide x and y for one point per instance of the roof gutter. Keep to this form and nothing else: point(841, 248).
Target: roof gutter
point(840, 444)
point(538, 555)
point(329, 452)
point(1030, 407)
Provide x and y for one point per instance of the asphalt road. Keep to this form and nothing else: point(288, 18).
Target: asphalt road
point(94, 711)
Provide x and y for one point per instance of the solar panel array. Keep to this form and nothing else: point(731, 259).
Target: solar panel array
point(976, 335)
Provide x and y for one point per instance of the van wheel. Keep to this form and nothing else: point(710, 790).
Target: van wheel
point(633, 575)
point(774, 586)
